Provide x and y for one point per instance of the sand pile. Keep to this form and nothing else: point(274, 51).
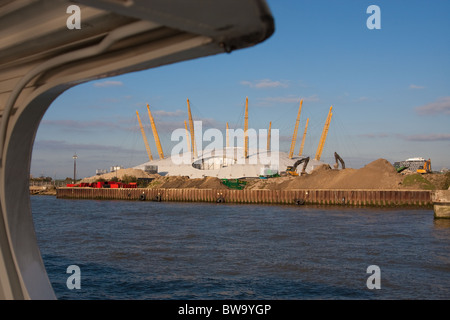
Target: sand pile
point(379, 174)
point(120, 174)
point(173, 182)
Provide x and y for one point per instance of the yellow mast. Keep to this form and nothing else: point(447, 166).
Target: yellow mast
point(246, 129)
point(324, 135)
point(228, 137)
point(268, 136)
point(150, 158)
point(294, 136)
point(155, 134)
point(191, 127)
point(187, 136)
point(303, 139)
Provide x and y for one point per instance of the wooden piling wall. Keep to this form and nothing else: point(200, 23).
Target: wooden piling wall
point(325, 197)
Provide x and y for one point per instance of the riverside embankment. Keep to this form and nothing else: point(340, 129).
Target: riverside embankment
point(376, 184)
point(336, 197)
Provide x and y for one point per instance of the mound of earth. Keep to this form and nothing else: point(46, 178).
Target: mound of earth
point(184, 182)
point(379, 174)
point(120, 174)
point(44, 190)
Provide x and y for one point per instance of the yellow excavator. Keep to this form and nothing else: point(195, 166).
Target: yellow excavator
point(425, 168)
point(292, 170)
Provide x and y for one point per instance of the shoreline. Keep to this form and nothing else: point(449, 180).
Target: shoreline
point(359, 197)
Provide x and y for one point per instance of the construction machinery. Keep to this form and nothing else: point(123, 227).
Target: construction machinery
point(292, 170)
point(338, 159)
point(425, 168)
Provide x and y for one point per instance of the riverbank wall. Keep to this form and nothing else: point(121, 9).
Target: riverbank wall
point(441, 203)
point(421, 198)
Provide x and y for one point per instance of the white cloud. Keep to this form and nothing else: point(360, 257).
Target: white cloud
point(374, 135)
point(416, 87)
point(62, 145)
point(163, 113)
point(313, 98)
point(286, 99)
point(108, 83)
point(77, 125)
point(440, 106)
point(265, 83)
point(428, 137)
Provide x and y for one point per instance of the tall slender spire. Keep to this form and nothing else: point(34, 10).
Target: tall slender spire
point(149, 153)
point(187, 137)
point(155, 134)
point(303, 139)
point(294, 136)
point(324, 135)
point(191, 127)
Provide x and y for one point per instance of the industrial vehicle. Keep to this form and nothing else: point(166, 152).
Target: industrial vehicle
point(292, 170)
point(338, 159)
point(425, 168)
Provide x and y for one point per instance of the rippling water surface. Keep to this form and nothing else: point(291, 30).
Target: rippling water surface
point(161, 250)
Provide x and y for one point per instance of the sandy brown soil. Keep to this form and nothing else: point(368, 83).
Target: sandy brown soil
point(377, 175)
point(185, 182)
point(48, 191)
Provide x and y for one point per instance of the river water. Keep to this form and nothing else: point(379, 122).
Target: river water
point(169, 250)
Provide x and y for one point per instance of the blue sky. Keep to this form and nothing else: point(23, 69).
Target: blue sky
point(389, 88)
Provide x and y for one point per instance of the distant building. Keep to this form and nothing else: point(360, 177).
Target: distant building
point(229, 164)
point(100, 171)
point(116, 168)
